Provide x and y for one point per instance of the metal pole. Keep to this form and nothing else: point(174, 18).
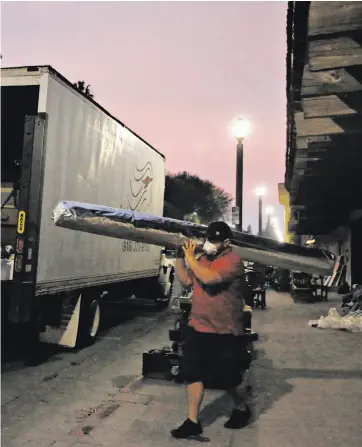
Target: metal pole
point(260, 215)
point(268, 227)
point(239, 182)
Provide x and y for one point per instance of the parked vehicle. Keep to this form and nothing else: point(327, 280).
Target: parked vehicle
point(58, 144)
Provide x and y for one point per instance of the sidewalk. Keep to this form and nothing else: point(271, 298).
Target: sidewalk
point(307, 391)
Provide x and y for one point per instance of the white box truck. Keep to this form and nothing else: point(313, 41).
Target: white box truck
point(58, 144)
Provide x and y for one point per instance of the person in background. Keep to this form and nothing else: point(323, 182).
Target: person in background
point(212, 344)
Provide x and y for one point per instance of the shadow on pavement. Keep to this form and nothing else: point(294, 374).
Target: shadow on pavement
point(113, 315)
point(267, 383)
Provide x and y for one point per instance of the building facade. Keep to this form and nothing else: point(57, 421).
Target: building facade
point(323, 178)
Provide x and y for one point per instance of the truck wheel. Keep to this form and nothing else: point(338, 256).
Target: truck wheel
point(89, 321)
point(175, 371)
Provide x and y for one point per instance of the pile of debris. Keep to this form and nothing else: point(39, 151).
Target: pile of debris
point(351, 318)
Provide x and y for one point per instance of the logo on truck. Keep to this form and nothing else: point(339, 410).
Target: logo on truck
point(141, 188)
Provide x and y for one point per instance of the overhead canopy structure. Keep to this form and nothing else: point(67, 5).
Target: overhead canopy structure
point(324, 114)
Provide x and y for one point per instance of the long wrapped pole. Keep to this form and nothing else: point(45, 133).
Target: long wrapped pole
point(166, 232)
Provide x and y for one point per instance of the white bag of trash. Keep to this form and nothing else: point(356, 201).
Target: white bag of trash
point(351, 322)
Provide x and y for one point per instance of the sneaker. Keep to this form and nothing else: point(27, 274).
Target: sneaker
point(238, 418)
point(187, 430)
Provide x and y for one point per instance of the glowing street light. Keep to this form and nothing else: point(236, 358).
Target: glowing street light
point(260, 191)
point(239, 129)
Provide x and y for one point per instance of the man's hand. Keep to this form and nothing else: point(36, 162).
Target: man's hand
point(189, 249)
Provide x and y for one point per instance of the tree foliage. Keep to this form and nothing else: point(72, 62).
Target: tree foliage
point(189, 197)
point(86, 89)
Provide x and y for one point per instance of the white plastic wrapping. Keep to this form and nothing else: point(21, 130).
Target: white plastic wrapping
point(351, 322)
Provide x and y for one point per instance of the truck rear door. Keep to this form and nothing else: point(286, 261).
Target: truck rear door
point(22, 139)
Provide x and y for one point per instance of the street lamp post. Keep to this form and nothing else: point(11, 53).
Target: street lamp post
point(278, 233)
point(239, 129)
point(239, 181)
point(260, 192)
point(269, 213)
point(260, 206)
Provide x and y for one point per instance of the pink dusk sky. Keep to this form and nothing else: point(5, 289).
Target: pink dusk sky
point(176, 73)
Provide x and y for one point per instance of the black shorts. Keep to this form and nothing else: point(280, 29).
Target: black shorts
point(213, 359)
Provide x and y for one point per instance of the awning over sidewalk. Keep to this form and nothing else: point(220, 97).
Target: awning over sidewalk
point(324, 114)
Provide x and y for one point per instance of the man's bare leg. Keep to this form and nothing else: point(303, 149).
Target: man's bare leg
point(191, 427)
point(195, 394)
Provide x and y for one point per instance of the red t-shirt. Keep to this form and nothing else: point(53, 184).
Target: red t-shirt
point(217, 308)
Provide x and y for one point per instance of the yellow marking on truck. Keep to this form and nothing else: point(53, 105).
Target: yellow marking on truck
point(21, 222)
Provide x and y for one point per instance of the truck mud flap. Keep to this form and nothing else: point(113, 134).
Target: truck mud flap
point(66, 334)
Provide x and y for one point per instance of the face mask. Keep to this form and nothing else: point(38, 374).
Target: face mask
point(209, 248)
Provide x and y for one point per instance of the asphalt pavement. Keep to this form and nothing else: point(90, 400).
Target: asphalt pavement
point(307, 387)
point(69, 385)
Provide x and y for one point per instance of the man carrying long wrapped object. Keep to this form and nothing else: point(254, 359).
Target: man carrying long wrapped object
point(211, 345)
point(171, 233)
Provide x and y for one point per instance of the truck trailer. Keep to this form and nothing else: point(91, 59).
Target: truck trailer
point(59, 144)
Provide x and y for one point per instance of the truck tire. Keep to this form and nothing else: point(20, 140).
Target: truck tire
point(89, 321)
point(30, 347)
